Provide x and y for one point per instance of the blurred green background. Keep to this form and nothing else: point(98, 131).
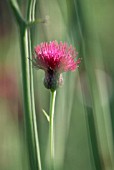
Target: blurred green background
point(84, 118)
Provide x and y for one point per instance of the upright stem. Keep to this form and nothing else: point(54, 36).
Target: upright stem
point(27, 83)
point(31, 17)
point(51, 129)
point(30, 133)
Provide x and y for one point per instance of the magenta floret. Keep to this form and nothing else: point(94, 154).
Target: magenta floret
point(55, 58)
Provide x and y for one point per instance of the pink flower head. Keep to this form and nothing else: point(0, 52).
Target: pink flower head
point(57, 57)
point(54, 59)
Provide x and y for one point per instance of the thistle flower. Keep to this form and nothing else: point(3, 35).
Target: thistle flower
point(54, 59)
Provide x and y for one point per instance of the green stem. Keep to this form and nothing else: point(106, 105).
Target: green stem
point(30, 133)
point(17, 12)
point(31, 17)
point(28, 90)
point(37, 148)
point(52, 107)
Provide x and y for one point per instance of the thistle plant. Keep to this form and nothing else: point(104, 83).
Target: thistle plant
point(54, 58)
